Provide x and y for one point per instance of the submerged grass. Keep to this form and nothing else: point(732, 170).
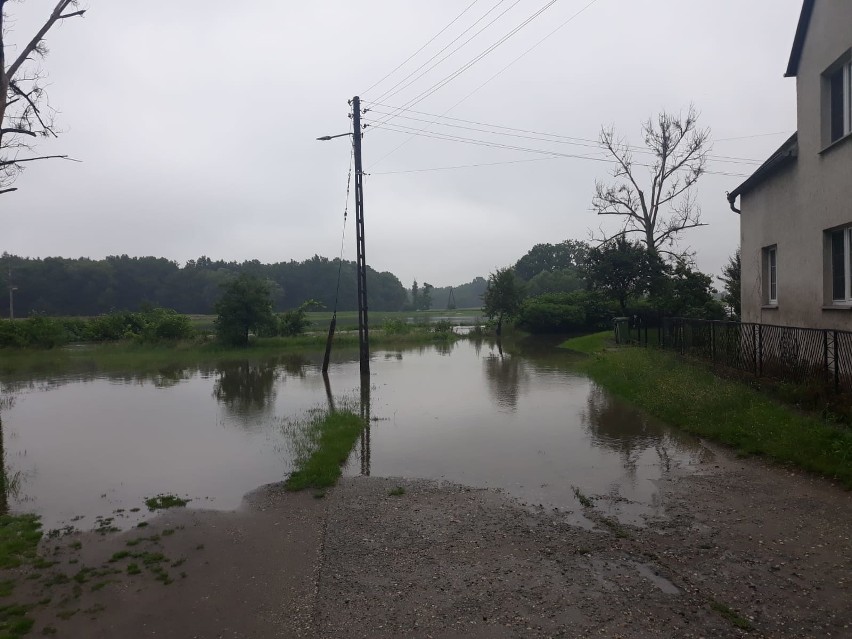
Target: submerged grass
point(321, 441)
point(697, 401)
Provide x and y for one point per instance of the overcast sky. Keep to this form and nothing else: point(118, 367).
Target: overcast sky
point(196, 122)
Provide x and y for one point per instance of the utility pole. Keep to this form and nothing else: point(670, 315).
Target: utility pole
point(363, 327)
point(361, 276)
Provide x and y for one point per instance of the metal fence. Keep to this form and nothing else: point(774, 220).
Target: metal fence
point(785, 353)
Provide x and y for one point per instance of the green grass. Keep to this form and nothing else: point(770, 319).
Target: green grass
point(322, 442)
point(589, 344)
point(399, 491)
point(697, 401)
point(19, 537)
point(162, 502)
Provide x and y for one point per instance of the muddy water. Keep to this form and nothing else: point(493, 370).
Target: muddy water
point(91, 443)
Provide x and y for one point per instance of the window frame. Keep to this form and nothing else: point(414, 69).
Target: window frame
point(838, 73)
point(846, 300)
point(770, 275)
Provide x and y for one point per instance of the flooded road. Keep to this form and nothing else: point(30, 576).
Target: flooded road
point(91, 443)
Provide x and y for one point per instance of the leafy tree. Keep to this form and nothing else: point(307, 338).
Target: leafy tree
point(678, 150)
point(549, 258)
point(686, 292)
point(415, 296)
point(731, 276)
point(620, 269)
point(245, 306)
point(25, 114)
point(426, 297)
point(296, 322)
point(565, 280)
point(503, 296)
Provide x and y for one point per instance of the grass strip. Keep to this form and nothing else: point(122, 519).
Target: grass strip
point(323, 441)
point(594, 343)
point(697, 401)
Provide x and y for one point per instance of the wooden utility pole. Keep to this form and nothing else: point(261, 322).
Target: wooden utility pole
point(363, 327)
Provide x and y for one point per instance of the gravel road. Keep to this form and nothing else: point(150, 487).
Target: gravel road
point(744, 549)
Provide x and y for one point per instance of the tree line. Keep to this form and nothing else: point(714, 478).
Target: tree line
point(82, 287)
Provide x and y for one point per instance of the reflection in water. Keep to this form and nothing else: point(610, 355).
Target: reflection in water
point(523, 420)
point(621, 428)
point(367, 417)
point(505, 374)
point(246, 388)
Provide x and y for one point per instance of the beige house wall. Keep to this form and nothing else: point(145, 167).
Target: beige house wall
point(793, 208)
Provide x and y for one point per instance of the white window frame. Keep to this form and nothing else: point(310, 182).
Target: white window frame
point(772, 259)
point(770, 264)
point(846, 300)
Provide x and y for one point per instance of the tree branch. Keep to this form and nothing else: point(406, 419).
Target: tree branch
point(43, 157)
point(39, 36)
point(21, 131)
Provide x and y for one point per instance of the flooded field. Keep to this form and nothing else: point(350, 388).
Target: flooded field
point(90, 443)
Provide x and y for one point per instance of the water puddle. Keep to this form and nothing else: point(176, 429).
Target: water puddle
point(88, 442)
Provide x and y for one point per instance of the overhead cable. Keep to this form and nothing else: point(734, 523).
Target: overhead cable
point(556, 154)
point(546, 137)
point(392, 91)
point(431, 40)
point(489, 80)
point(446, 80)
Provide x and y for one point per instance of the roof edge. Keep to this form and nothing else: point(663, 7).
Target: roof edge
point(786, 152)
point(799, 40)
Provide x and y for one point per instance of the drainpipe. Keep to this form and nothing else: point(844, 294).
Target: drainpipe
point(731, 200)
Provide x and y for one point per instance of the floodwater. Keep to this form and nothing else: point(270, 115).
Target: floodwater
point(91, 442)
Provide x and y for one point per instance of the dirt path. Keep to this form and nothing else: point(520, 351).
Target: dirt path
point(743, 546)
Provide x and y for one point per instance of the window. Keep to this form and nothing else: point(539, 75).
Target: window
point(770, 275)
point(840, 101)
point(841, 265)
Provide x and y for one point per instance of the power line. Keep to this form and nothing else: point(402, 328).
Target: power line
point(431, 40)
point(442, 83)
point(465, 166)
point(501, 71)
point(543, 137)
point(555, 154)
point(391, 92)
point(756, 135)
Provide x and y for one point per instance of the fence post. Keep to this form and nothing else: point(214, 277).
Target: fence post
point(836, 364)
point(759, 350)
point(825, 351)
point(646, 333)
point(713, 341)
point(754, 346)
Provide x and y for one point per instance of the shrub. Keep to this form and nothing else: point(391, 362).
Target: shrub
point(42, 332)
point(565, 312)
point(396, 327)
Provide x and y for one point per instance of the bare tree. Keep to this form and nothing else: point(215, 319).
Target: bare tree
point(676, 158)
point(25, 113)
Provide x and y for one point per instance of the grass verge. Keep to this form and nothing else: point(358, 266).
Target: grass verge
point(322, 442)
point(589, 344)
point(704, 404)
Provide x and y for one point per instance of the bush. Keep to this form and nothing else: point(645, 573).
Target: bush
point(10, 335)
point(39, 331)
point(396, 327)
point(581, 311)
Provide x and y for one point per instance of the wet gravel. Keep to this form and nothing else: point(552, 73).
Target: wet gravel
point(743, 549)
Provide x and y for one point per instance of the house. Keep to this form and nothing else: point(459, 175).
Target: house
point(796, 209)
